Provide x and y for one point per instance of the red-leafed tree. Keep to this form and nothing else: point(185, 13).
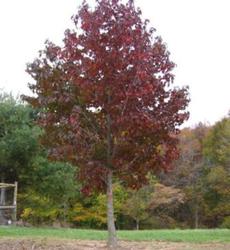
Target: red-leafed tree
point(106, 101)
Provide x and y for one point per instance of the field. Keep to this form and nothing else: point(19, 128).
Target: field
point(44, 238)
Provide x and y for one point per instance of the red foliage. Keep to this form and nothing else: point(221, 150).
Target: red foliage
point(105, 97)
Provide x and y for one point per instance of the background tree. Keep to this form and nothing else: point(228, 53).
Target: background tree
point(164, 202)
point(18, 138)
point(106, 99)
point(90, 212)
point(217, 144)
point(217, 190)
point(18, 143)
point(189, 171)
point(137, 204)
point(52, 192)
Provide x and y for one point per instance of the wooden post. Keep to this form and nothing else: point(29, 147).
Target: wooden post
point(15, 202)
point(2, 201)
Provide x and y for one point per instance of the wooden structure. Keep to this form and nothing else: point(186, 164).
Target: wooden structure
point(13, 206)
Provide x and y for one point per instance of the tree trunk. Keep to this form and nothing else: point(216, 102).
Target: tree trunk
point(64, 212)
point(112, 237)
point(137, 225)
point(196, 215)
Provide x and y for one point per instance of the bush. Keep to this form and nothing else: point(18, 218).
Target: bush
point(226, 222)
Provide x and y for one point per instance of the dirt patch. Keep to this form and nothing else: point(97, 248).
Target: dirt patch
point(48, 244)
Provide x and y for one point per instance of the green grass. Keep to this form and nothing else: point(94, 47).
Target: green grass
point(196, 236)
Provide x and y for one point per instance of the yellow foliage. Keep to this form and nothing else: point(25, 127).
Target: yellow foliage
point(27, 212)
point(83, 214)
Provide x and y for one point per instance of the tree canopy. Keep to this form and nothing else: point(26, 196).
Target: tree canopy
point(106, 96)
point(18, 138)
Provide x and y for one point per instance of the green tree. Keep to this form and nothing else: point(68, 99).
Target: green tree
point(137, 204)
point(18, 138)
point(42, 190)
point(217, 144)
point(55, 182)
point(18, 143)
point(217, 191)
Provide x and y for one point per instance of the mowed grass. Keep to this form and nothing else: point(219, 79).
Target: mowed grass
point(195, 236)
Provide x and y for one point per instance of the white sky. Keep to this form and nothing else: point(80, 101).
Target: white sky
point(196, 31)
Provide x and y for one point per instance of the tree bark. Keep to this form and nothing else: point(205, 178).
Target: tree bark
point(112, 237)
point(196, 215)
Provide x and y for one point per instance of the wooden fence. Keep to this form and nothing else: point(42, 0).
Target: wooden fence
point(14, 202)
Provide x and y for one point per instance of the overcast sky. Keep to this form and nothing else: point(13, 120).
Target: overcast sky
point(197, 34)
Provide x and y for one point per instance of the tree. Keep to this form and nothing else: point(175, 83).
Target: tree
point(217, 191)
point(18, 142)
point(48, 199)
point(91, 212)
point(217, 144)
point(107, 101)
point(18, 138)
point(152, 199)
point(164, 202)
point(189, 171)
point(137, 204)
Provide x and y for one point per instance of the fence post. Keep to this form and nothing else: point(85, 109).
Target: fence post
point(15, 202)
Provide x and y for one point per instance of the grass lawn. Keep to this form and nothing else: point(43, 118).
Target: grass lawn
point(195, 236)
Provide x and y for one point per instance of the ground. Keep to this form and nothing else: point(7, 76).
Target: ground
point(51, 244)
